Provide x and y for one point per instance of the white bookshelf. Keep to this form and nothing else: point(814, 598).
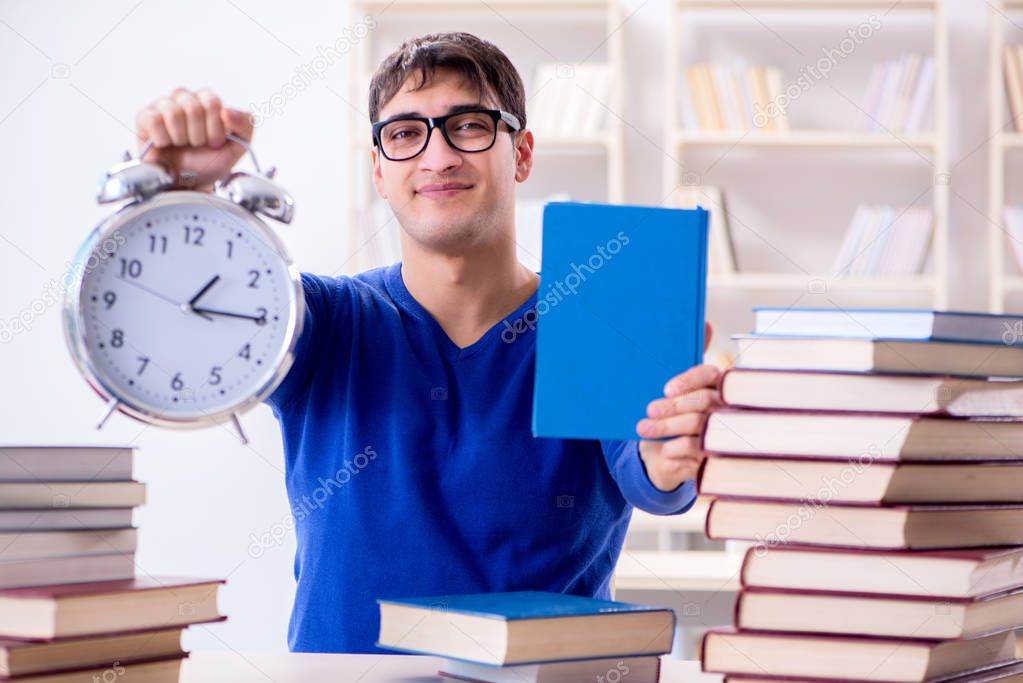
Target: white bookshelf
point(1002, 141)
point(931, 147)
point(606, 147)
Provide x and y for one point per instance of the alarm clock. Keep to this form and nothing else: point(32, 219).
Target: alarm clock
point(183, 308)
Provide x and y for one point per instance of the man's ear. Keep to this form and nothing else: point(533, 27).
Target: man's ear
point(378, 179)
point(523, 154)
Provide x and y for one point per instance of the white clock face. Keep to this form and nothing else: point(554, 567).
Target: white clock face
point(190, 312)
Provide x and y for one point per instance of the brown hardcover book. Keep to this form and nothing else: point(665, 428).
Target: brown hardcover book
point(1008, 673)
point(77, 609)
point(890, 660)
point(946, 574)
point(839, 354)
point(761, 609)
point(71, 494)
point(866, 437)
point(151, 671)
point(62, 463)
point(16, 545)
point(894, 527)
point(837, 481)
point(870, 393)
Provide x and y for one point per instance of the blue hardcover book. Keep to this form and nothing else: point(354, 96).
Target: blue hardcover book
point(620, 311)
point(524, 627)
point(889, 323)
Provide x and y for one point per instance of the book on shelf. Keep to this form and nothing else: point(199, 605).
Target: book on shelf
point(950, 574)
point(838, 354)
point(885, 240)
point(732, 98)
point(529, 227)
point(888, 660)
point(1013, 219)
point(898, 95)
point(569, 100)
point(805, 479)
point(888, 323)
point(524, 627)
point(889, 616)
point(887, 393)
point(893, 527)
point(632, 669)
point(720, 247)
point(878, 437)
point(1012, 67)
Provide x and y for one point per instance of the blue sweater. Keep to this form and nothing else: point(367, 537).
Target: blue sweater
point(411, 468)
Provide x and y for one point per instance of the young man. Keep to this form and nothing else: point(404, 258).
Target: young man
point(410, 463)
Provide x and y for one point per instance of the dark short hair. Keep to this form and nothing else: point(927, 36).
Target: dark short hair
point(480, 62)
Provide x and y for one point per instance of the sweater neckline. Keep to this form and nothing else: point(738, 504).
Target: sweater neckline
point(399, 292)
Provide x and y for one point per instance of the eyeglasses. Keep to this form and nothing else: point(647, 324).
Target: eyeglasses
point(474, 130)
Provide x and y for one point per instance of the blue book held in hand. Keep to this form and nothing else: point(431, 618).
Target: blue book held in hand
point(620, 311)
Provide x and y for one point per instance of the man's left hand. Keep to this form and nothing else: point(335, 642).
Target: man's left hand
point(677, 421)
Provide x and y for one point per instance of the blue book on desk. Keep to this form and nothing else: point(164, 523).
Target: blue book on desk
point(524, 627)
point(620, 311)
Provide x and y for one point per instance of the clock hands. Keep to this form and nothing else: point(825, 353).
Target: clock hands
point(190, 307)
point(260, 319)
point(201, 292)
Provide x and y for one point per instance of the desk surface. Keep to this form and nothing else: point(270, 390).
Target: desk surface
point(275, 667)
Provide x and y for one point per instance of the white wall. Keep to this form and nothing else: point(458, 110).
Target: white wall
point(71, 84)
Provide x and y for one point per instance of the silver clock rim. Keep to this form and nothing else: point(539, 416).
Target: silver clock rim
point(74, 319)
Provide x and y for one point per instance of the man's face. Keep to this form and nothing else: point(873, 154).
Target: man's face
point(447, 200)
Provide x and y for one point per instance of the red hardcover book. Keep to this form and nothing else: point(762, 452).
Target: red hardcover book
point(76, 609)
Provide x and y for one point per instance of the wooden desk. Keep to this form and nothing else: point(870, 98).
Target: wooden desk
point(282, 667)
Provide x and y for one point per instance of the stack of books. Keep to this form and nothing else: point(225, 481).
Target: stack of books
point(885, 240)
point(71, 608)
point(898, 95)
point(733, 98)
point(531, 637)
point(874, 464)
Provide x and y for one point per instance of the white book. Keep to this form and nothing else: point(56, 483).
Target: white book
point(922, 98)
point(598, 98)
point(726, 97)
point(886, 218)
point(850, 244)
point(575, 101)
point(687, 109)
point(749, 101)
point(871, 98)
point(882, 117)
point(542, 97)
point(1014, 227)
point(907, 87)
point(775, 86)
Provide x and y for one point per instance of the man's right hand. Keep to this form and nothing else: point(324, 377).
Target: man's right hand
point(188, 133)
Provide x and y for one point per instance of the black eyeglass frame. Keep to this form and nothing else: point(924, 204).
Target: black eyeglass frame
point(432, 122)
